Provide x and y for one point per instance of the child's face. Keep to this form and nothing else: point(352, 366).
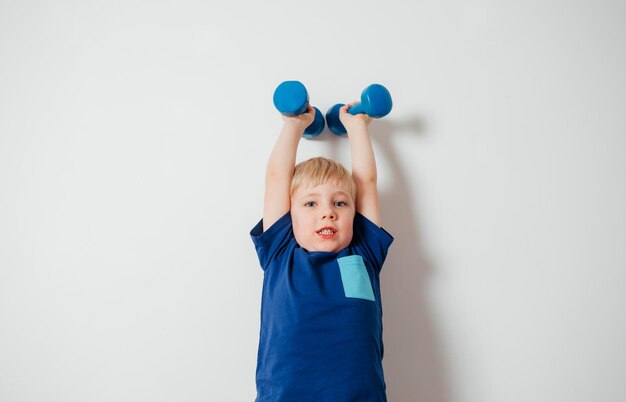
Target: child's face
point(322, 217)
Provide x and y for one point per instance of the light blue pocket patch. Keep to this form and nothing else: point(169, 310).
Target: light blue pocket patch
point(355, 279)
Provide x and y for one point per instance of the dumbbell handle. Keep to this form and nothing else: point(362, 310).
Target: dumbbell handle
point(375, 102)
point(356, 109)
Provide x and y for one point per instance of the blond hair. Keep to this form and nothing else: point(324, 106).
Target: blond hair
point(320, 170)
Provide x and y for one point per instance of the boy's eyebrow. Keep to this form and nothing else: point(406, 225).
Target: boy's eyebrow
point(318, 194)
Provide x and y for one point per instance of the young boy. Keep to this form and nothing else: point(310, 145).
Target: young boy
point(321, 248)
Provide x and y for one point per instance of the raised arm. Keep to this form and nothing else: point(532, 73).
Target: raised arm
point(363, 163)
point(280, 167)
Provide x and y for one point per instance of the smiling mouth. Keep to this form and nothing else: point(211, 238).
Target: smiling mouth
point(325, 231)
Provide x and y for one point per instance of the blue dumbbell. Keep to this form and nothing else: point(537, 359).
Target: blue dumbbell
point(375, 102)
point(292, 99)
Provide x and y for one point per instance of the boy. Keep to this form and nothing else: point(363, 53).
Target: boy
point(321, 248)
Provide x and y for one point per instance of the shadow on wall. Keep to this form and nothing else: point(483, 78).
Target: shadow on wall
point(413, 362)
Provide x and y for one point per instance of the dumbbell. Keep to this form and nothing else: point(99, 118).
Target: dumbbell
point(292, 99)
point(375, 102)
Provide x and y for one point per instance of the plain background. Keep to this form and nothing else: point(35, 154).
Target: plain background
point(133, 142)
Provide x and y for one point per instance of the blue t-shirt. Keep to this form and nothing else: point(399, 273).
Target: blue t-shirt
point(321, 317)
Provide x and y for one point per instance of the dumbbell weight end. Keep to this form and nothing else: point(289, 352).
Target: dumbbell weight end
point(314, 129)
point(332, 120)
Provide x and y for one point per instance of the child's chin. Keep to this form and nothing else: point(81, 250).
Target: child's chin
point(331, 248)
point(316, 247)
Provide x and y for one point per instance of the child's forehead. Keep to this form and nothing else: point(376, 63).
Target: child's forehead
point(329, 187)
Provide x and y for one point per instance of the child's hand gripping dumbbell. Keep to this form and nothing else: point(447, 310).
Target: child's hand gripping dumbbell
point(292, 99)
point(375, 102)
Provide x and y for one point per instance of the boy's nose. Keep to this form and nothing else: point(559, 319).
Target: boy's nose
point(328, 215)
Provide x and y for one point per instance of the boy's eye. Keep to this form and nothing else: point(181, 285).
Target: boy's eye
point(310, 204)
point(340, 203)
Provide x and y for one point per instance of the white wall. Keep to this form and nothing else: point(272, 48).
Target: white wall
point(133, 139)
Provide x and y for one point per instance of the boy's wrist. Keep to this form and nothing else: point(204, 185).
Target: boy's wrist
point(294, 127)
point(357, 130)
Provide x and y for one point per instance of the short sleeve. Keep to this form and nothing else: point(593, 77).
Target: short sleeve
point(273, 241)
point(371, 241)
